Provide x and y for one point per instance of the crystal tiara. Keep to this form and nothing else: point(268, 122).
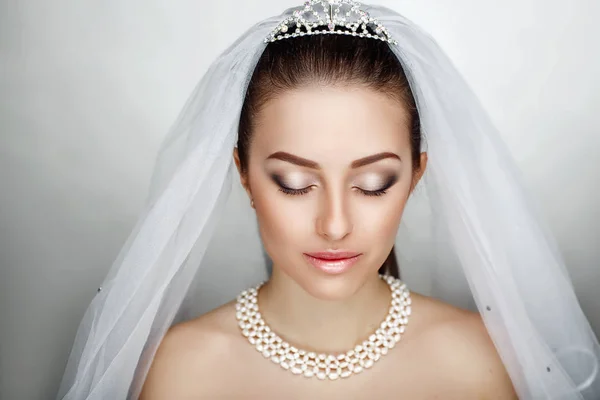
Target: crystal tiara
point(321, 17)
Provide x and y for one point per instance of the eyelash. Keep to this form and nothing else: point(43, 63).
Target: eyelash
point(299, 192)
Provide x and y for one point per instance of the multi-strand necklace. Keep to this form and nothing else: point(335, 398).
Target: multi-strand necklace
point(319, 365)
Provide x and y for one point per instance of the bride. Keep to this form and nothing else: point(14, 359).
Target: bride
point(329, 152)
point(335, 114)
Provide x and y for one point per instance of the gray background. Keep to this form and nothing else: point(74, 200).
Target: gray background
point(87, 90)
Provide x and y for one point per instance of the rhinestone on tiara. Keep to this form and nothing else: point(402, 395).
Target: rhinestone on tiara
point(321, 17)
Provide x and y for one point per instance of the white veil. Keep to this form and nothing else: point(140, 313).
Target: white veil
point(469, 210)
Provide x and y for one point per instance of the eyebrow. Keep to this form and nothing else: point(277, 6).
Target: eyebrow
point(303, 162)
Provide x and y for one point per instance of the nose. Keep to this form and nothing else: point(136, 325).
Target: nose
point(334, 222)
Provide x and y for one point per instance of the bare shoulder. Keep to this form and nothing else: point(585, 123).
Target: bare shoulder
point(459, 340)
point(186, 362)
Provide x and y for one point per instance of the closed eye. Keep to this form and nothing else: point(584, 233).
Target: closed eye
point(294, 192)
point(298, 192)
point(288, 190)
point(379, 192)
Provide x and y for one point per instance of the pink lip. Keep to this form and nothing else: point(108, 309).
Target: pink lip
point(332, 262)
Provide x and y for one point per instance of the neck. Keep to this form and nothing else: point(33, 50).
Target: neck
point(323, 326)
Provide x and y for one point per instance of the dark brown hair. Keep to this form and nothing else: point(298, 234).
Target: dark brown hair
point(328, 60)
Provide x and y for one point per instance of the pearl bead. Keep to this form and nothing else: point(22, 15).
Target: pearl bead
point(324, 366)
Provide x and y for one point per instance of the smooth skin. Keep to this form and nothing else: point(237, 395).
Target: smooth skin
point(330, 168)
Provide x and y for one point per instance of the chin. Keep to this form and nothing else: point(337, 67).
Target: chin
point(328, 287)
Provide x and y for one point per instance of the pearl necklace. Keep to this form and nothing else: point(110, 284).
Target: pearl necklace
point(322, 366)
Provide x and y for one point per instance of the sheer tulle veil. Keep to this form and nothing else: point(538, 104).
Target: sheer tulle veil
point(469, 235)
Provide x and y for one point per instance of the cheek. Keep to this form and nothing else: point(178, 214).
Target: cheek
point(290, 221)
point(377, 220)
point(284, 221)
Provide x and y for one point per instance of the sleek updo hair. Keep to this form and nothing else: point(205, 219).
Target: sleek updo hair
point(329, 60)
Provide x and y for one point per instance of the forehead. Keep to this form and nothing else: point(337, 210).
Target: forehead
point(325, 122)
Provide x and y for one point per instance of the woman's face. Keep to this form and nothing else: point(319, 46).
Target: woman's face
point(330, 169)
